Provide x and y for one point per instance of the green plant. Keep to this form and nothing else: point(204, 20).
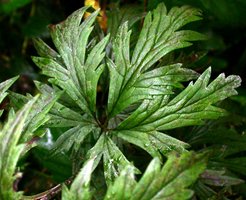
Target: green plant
point(168, 182)
point(105, 95)
point(10, 150)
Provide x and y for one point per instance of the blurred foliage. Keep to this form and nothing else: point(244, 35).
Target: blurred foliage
point(224, 22)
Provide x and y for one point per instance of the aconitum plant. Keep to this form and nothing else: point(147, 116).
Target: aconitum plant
point(106, 91)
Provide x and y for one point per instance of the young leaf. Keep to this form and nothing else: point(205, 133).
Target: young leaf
point(3, 87)
point(10, 150)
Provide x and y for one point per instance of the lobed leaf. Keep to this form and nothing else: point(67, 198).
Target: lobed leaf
point(74, 69)
point(141, 100)
point(173, 180)
point(190, 107)
point(168, 182)
point(159, 36)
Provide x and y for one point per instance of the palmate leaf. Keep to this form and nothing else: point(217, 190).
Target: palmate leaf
point(74, 69)
point(190, 107)
point(142, 99)
point(175, 177)
point(10, 150)
point(159, 36)
point(77, 71)
point(3, 88)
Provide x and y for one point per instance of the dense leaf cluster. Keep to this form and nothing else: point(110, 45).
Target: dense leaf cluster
point(141, 100)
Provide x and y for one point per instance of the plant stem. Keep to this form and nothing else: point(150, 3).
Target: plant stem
point(48, 194)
